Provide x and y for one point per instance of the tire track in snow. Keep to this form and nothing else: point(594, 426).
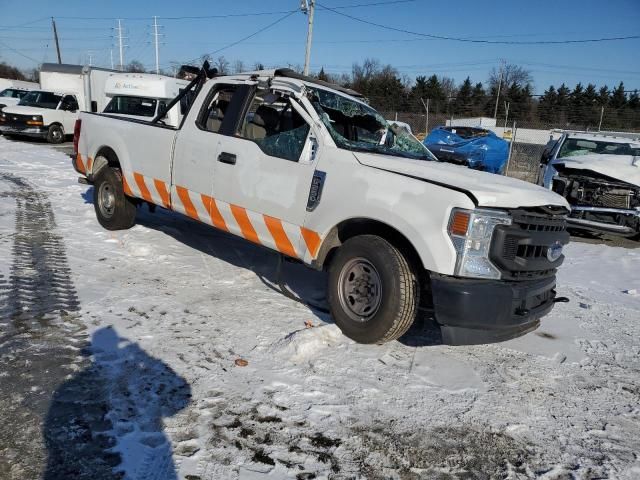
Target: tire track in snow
point(41, 336)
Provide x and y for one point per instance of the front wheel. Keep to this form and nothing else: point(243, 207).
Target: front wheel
point(373, 292)
point(114, 210)
point(55, 134)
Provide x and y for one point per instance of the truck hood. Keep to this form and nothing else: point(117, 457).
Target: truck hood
point(489, 190)
point(24, 110)
point(620, 167)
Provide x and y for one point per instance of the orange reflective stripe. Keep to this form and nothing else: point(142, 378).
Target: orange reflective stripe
point(144, 191)
point(162, 191)
point(279, 236)
point(125, 186)
point(189, 209)
point(89, 163)
point(214, 212)
point(79, 163)
point(248, 232)
point(312, 239)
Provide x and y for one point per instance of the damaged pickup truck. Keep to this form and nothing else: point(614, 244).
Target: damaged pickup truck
point(309, 170)
point(599, 175)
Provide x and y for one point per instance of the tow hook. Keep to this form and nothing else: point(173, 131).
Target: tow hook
point(561, 300)
point(83, 180)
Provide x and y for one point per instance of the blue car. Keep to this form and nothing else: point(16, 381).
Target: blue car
point(474, 147)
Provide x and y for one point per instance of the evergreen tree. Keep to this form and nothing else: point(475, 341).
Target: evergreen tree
point(547, 105)
point(618, 97)
point(603, 96)
point(322, 75)
point(576, 104)
point(463, 103)
point(478, 99)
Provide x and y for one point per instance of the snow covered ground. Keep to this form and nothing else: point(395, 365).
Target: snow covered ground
point(172, 308)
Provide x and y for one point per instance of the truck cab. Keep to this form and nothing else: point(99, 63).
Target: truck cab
point(41, 114)
point(308, 169)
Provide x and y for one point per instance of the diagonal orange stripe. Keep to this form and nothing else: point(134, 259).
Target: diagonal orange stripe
point(144, 191)
point(89, 163)
point(214, 212)
point(279, 236)
point(79, 163)
point(126, 187)
point(312, 240)
point(248, 232)
point(189, 209)
point(162, 191)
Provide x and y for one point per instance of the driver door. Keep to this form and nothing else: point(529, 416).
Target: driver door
point(264, 172)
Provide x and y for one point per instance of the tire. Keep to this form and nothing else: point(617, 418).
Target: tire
point(55, 134)
point(373, 293)
point(114, 210)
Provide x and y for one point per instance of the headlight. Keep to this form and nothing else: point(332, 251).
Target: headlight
point(35, 120)
point(471, 232)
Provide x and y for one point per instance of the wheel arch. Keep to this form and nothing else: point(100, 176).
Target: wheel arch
point(112, 160)
point(366, 226)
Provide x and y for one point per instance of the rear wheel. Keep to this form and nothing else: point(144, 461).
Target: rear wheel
point(55, 134)
point(114, 210)
point(373, 292)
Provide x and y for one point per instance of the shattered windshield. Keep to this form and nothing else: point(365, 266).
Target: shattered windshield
point(573, 147)
point(356, 126)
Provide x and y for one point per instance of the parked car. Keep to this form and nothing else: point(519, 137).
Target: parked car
point(599, 175)
point(309, 170)
point(474, 147)
point(50, 112)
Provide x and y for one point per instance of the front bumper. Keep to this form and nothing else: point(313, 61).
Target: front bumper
point(620, 221)
point(472, 311)
point(37, 132)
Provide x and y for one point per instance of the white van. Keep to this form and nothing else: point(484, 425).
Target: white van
point(11, 91)
point(143, 96)
point(51, 112)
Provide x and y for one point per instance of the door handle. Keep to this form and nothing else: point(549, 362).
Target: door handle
point(228, 158)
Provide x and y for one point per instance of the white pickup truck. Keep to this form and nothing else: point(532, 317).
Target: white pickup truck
point(309, 170)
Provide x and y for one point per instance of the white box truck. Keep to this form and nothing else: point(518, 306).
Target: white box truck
point(50, 112)
point(143, 96)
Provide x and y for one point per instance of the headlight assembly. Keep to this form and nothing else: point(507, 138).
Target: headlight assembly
point(471, 232)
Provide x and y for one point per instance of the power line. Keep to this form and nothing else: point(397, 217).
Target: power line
point(477, 40)
point(267, 27)
point(19, 53)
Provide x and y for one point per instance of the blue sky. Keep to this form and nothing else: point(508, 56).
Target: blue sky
point(340, 41)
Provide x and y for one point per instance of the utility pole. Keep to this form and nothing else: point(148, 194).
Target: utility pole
point(111, 55)
point(495, 113)
point(308, 7)
point(120, 45)
point(156, 36)
point(426, 109)
point(90, 55)
point(55, 35)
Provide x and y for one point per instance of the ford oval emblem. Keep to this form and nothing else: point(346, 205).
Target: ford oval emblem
point(554, 251)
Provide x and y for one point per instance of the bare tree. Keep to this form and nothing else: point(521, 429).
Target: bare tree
point(448, 86)
point(134, 66)
point(511, 74)
point(238, 66)
point(223, 65)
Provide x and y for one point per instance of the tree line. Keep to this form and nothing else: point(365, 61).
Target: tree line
point(580, 107)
